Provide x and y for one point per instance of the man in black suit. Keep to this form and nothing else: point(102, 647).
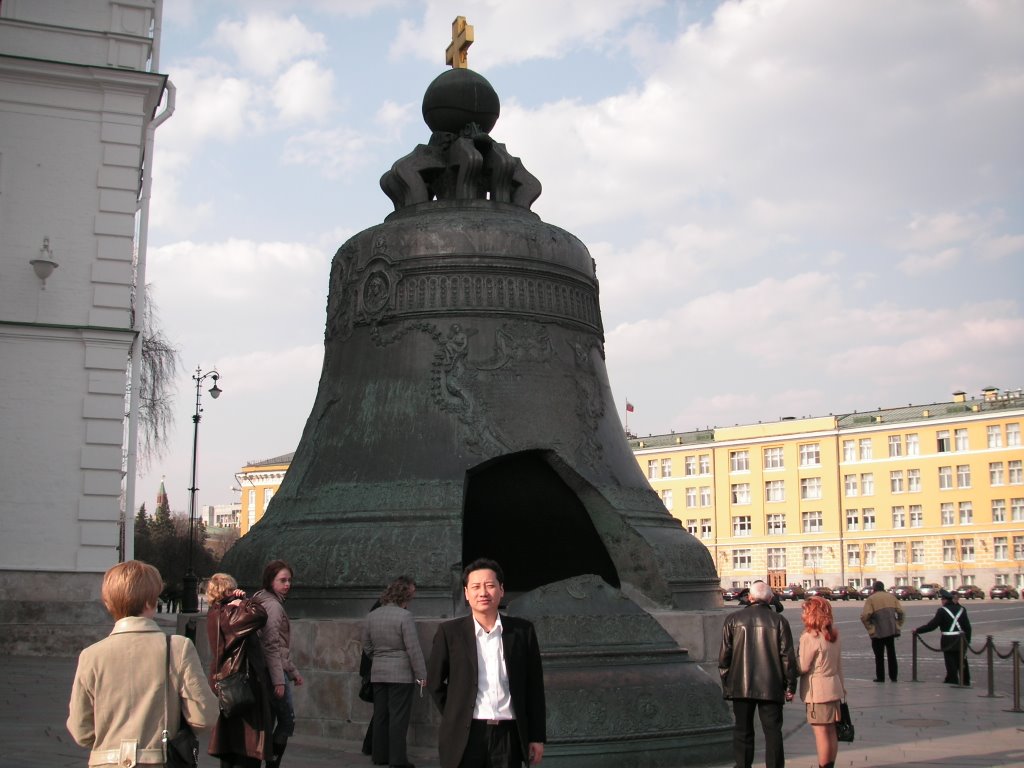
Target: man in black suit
point(486, 678)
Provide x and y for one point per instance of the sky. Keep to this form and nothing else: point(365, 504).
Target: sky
point(796, 208)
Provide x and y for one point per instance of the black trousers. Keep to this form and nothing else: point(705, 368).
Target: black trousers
point(392, 708)
point(770, 713)
point(492, 746)
point(952, 659)
point(885, 646)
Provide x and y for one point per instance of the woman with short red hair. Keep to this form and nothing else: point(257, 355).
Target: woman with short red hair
point(821, 677)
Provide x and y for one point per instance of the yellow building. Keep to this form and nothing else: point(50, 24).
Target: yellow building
point(913, 495)
point(259, 481)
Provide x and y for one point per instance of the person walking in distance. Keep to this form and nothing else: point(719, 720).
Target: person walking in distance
point(951, 619)
point(759, 672)
point(882, 617)
point(486, 678)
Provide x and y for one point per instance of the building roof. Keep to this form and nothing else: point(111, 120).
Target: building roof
point(284, 458)
point(990, 400)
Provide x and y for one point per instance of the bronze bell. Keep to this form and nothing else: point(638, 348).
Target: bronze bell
point(464, 408)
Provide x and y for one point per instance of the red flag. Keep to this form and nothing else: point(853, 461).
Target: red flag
point(629, 407)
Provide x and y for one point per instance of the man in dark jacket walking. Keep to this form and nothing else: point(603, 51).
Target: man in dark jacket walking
point(882, 617)
point(759, 672)
point(951, 619)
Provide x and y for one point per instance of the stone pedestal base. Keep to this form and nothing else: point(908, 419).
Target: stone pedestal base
point(44, 613)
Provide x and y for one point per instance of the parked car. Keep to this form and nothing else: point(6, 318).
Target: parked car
point(841, 592)
point(931, 590)
point(1003, 592)
point(906, 592)
point(970, 591)
point(792, 592)
point(865, 592)
point(819, 592)
point(732, 593)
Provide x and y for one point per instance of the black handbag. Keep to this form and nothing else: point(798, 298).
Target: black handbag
point(844, 726)
point(234, 691)
point(366, 687)
point(181, 751)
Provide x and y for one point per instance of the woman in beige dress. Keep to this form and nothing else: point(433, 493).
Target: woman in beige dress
point(821, 677)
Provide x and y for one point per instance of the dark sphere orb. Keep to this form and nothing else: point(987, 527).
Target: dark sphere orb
point(458, 97)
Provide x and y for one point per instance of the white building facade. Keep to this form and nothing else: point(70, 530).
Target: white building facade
point(79, 102)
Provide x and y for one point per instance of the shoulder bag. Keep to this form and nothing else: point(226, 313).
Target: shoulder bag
point(844, 726)
point(234, 691)
point(182, 751)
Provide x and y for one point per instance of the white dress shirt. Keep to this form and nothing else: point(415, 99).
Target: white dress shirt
point(493, 697)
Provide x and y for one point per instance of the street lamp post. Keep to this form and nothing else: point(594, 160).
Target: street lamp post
point(190, 596)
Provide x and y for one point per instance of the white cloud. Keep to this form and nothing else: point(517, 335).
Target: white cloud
point(265, 43)
point(303, 92)
point(918, 264)
point(332, 152)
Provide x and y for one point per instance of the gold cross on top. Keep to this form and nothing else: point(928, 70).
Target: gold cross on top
point(462, 37)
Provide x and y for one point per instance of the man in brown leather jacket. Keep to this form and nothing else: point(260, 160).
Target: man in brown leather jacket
point(759, 671)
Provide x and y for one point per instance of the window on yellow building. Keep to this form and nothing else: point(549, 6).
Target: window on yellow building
point(849, 450)
point(741, 525)
point(741, 559)
point(1000, 548)
point(913, 444)
point(967, 551)
point(811, 522)
point(776, 558)
point(691, 527)
point(963, 475)
point(739, 461)
point(810, 455)
point(867, 484)
point(899, 553)
point(1015, 472)
point(949, 550)
point(1017, 510)
point(853, 554)
point(850, 485)
point(896, 481)
point(853, 519)
point(773, 458)
point(868, 515)
point(1013, 434)
point(666, 498)
point(945, 478)
point(966, 513)
point(864, 446)
point(691, 498)
point(704, 460)
point(916, 516)
point(812, 556)
point(895, 445)
point(705, 527)
point(1018, 547)
point(870, 553)
point(947, 513)
point(690, 466)
point(995, 436)
point(942, 444)
point(917, 552)
point(914, 480)
point(666, 467)
point(775, 490)
point(740, 493)
point(998, 510)
point(995, 473)
point(899, 517)
point(776, 524)
point(960, 438)
point(810, 488)
point(652, 469)
point(705, 495)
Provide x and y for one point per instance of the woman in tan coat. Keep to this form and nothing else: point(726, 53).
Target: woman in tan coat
point(821, 677)
point(123, 697)
point(232, 624)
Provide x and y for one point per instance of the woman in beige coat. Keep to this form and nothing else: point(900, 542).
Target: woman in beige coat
point(123, 697)
point(821, 677)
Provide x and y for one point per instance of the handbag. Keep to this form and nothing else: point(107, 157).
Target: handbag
point(844, 726)
point(234, 691)
point(181, 751)
point(366, 687)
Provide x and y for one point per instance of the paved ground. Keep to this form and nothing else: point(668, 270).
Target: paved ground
point(904, 725)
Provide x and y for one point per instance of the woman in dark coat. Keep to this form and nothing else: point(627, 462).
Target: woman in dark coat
point(242, 740)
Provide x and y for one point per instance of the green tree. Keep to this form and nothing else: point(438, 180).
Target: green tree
point(143, 544)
